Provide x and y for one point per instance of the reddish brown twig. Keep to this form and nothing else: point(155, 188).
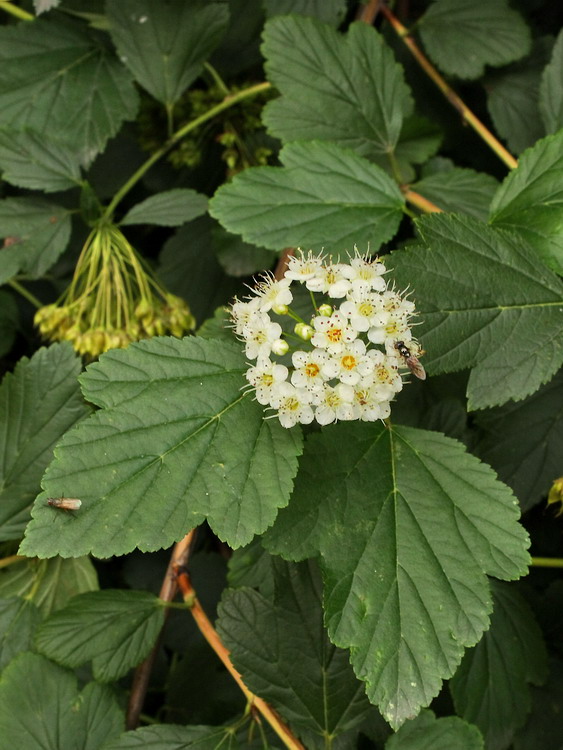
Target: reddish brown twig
point(212, 637)
point(282, 262)
point(168, 591)
point(421, 202)
point(368, 12)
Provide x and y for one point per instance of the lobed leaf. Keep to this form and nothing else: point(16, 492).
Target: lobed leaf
point(491, 687)
point(551, 89)
point(115, 629)
point(35, 234)
point(530, 200)
point(55, 77)
point(169, 209)
point(324, 197)
point(426, 732)
point(318, 692)
point(18, 621)
point(526, 459)
point(39, 402)
point(485, 302)
point(165, 44)
point(41, 708)
point(462, 36)
point(174, 737)
point(175, 442)
point(328, 11)
point(459, 190)
point(345, 89)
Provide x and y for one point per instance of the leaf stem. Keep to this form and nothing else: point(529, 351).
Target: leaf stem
point(168, 590)
point(219, 82)
point(25, 293)
point(11, 560)
point(23, 15)
point(228, 102)
point(212, 637)
point(447, 90)
point(421, 202)
point(547, 562)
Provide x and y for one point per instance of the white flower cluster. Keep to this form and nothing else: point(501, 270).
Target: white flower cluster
point(350, 369)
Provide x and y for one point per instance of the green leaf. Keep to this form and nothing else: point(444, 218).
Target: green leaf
point(175, 737)
point(428, 522)
point(18, 620)
point(526, 459)
point(175, 442)
point(39, 402)
point(49, 583)
point(459, 190)
point(168, 209)
point(530, 200)
point(115, 629)
point(252, 566)
point(317, 692)
point(490, 688)
point(238, 258)
point(9, 321)
point(55, 77)
point(485, 302)
point(513, 98)
point(33, 160)
point(346, 89)
point(419, 140)
point(328, 11)
point(325, 196)
point(462, 36)
point(35, 234)
point(543, 728)
point(551, 89)
point(42, 709)
point(426, 732)
point(164, 44)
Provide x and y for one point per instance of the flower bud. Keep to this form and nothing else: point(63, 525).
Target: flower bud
point(280, 309)
point(325, 310)
point(280, 347)
point(304, 331)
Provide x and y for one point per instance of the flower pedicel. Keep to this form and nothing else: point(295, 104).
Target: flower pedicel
point(348, 365)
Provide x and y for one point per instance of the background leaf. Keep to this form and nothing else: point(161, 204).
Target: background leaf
point(174, 444)
point(55, 77)
point(462, 36)
point(459, 190)
point(490, 688)
point(35, 234)
point(484, 302)
point(527, 459)
point(428, 733)
point(49, 583)
point(318, 692)
point(18, 620)
point(39, 402)
point(115, 629)
point(168, 209)
point(551, 89)
point(33, 160)
point(328, 11)
point(164, 44)
point(530, 200)
point(42, 709)
point(325, 196)
point(173, 737)
point(428, 521)
point(359, 97)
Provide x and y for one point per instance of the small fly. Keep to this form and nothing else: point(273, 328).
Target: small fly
point(64, 503)
point(411, 360)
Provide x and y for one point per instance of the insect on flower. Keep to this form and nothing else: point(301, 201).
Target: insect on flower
point(64, 503)
point(411, 360)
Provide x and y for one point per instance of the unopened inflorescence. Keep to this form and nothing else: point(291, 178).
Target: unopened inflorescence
point(346, 360)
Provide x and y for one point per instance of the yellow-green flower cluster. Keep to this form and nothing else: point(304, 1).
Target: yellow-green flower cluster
point(113, 299)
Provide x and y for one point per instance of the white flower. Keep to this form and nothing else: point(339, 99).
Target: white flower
point(242, 313)
point(329, 280)
point(365, 274)
point(332, 333)
point(395, 328)
point(385, 375)
point(264, 376)
point(308, 369)
point(369, 405)
point(292, 404)
point(394, 303)
point(350, 365)
point(334, 403)
point(302, 267)
point(271, 293)
point(365, 311)
point(260, 334)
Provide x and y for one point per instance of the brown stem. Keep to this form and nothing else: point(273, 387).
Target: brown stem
point(368, 12)
point(421, 202)
point(466, 114)
point(168, 591)
point(212, 637)
point(282, 263)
